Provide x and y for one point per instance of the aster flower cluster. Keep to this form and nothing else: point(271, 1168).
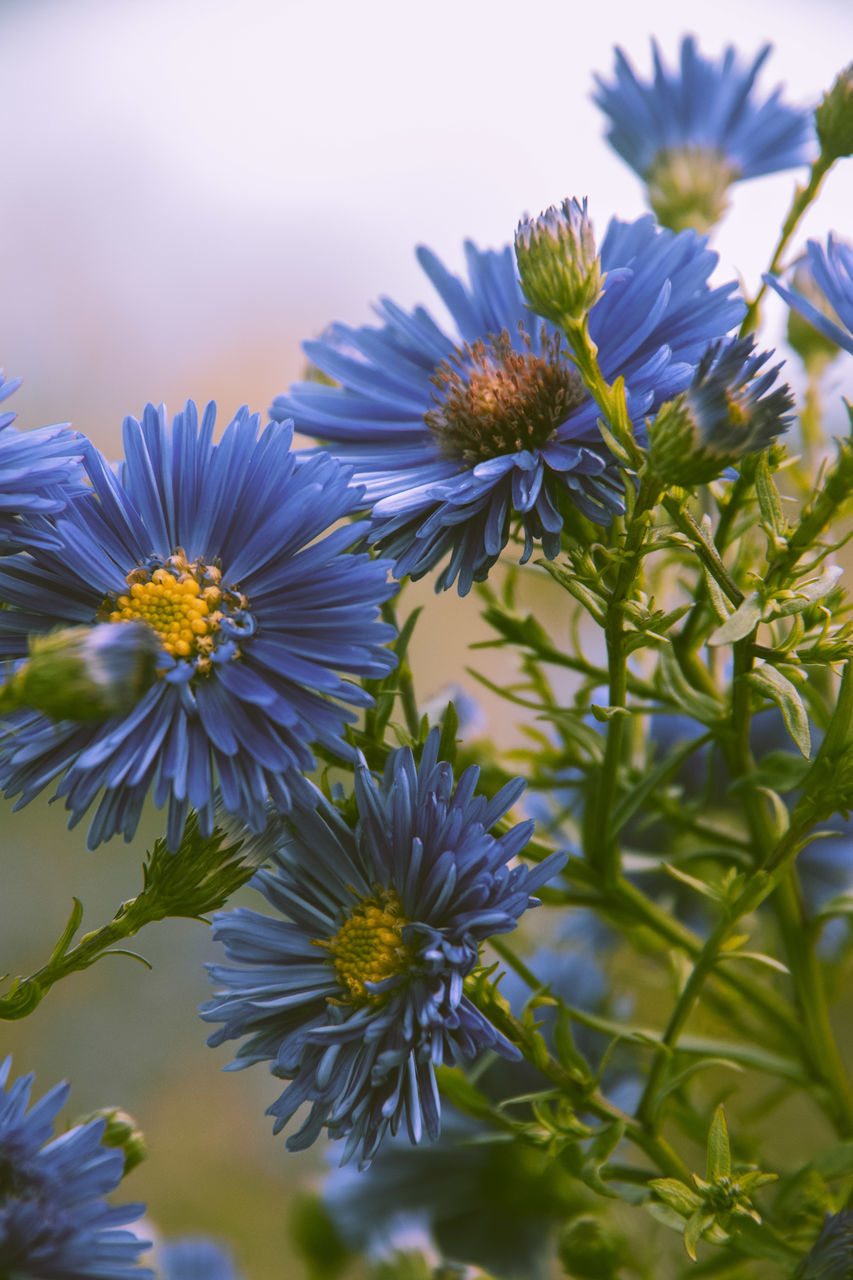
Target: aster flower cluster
point(209, 624)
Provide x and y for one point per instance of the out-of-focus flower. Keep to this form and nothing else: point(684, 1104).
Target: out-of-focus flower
point(355, 991)
point(40, 472)
point(558, 263)
point(831, 1257)
point(195, 1259)
point(730, 409)
point(461, 436)
point(54, 1220)
point(217, 548)
point(84, 673)
point(831, 270)
point(691, 132)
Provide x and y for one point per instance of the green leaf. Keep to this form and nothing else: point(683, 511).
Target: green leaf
point(769, 681)
point(741, 623)
point(769, 503)
point(758, 956)
point(449, 729)
point(683, 1076)
point(603, 714)
point(707, 890)
point(694, 703)
point(695, 1229)
point(677, 1195)
point(804, 595)
point(68, 932)
point(719, 1156)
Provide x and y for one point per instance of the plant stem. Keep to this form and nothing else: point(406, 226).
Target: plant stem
point(803, 197)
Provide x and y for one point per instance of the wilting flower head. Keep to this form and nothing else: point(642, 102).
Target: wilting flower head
point(217, 548)
point(831, 1257)
point(195, 1259)
point(460, 435)
point(730, 409)
point(54, 1220)
point(355, 990)
point(40, 472)
point(831, 270)
point(693, 131)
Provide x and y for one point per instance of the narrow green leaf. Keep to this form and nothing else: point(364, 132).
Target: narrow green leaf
point(719, 1157)
point(449, 730)
point(758, 957)
point(677, 1195)
point(695, 1229)
point(741, 623)
point(683, 1076)
point(769, 681)
point(769, 502)
point(64, 942)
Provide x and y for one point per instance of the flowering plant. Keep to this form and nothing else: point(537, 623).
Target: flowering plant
point(221, 626)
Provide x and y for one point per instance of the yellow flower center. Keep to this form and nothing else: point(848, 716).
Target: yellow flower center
point(178, 608)
point(369, 947)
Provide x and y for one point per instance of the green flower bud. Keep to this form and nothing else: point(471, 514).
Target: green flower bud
point(590, 1250)
point(558, 263)
point(123, 1132)
point(85, 673)
point(688, 187)
point(834, 117)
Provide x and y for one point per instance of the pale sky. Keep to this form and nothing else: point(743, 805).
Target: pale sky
point(193, 186)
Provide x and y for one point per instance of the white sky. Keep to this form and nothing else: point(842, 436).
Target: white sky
point(192, 186)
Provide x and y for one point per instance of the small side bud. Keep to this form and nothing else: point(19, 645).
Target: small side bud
point(834, 117)
point(688, 187)
point(121, 1132)
point(590, 1250)
point(558, 263)
point(85, 673)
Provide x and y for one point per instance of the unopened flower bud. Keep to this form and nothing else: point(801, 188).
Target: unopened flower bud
point(558, 263)
point(730, 409)
point(85, 673)
point(834, 117)
point(590, 1250)
point(123, 1132)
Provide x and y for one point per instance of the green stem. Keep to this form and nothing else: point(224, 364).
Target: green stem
point(803, 197)
point(28, 992)
point(591, 1101)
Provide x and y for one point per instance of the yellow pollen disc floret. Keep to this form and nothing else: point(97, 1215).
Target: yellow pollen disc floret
point(369, 947)
point(175, 607)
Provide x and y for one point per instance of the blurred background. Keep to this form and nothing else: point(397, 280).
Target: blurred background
point(191, 187)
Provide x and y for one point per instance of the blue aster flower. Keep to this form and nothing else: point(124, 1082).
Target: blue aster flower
point(217, 547)
point(356, 994)
point(195, 1259)
point(493, 1204)
point(831, 1257)
point(458, 435)
point(831, 270)
point(54, 1221)
point(40, 471)
point(693, 131)
point(733, 407)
